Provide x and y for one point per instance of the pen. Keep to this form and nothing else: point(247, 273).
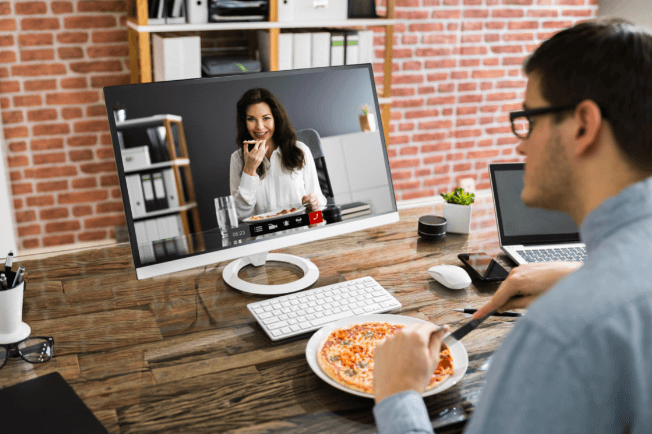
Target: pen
point(509, 313)
point(19, 277)
point(3, 281)
point(9, 261)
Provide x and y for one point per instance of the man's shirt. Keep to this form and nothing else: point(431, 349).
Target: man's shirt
point(581, 359)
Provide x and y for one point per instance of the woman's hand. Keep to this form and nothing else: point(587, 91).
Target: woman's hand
point(407, 360)
point(525, 284)
point(253, 158)
point(310, 201)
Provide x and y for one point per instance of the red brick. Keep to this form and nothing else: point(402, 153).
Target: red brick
point(108, 166)
point(446, 14)
point(61, 7)
point(25, 216)
point(489, 153)
point(7, 24)
point(31, 243)
point(89, 21)
point(72, 37)
point(46, 144)
point(71, 98)
point(109, 51)
point(18, 146)
point(439, 39)
point(58, 240)
point(50, 158)
point(7, 56)
point(431, 52)
point(431, 125)
point(467, 133)
point(92, 236)
point(55, 172)
point(577, 13)
point(401, 175)
point(412, 66)
point(470, 98)
point(440, 180)
point(84, 183)
point(50, 129)
point(66, 53)
point(540, 13)
point(36, 85)
point(501, 96)
point(29, 230)
point(18, 203)
point(469, 62)
point(82, 140)
point(104, 36)
point(493, 37)
point(488, 73)
point(101, 6)
point(410, 15)
point(83, 197)
point(40, 69)
point(96, 110)
point(17, 160)
point(91, 126)
point(409, 40)
point(109, 180)
point(507, 13)
point(36, 55)
point(15, 132)
point(71, 113)
point(82, 155)
point(42, 115)
point(97, 66)
point(35, 39)
point(460, 75)
point(39, 24)
point(82, 210)
point(5, 8)
point(471, 26)
point(518, 37)
point(31, 8)
point(476, 13)
point(425, 27)
point(6, 40)
point(110, 80)
point(100, 222)
point(5, 103)
point(406, 126)
point(12, 117)
point(445, 63)
point(433, 159)
point(53, 213)
point(465, 122)
point(466, 87)
point(73, 83)
point(109, 207)
point(21, 188)
point(48, 186)
point(45, 200)
point(409, 185)
point(27, 101)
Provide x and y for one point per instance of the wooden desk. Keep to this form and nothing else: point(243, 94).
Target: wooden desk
point(182, 353)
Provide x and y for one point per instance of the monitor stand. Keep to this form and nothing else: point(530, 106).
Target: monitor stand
point(230, 274)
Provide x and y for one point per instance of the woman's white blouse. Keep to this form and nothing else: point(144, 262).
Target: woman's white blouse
point(278, 190)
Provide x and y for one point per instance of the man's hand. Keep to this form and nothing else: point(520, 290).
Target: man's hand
point(310, 201)
point(525, 284)
point(407, 360)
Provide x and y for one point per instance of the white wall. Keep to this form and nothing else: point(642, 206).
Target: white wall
point(637, 11)
point(7, 234)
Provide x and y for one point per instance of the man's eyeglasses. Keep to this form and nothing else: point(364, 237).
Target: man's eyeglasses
point(522, 120)
point(36, 349)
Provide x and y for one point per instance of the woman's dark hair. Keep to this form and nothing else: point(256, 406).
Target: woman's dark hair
point(608, 61)
point(292, 157)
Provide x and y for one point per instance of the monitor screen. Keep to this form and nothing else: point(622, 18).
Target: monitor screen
point(199, 186)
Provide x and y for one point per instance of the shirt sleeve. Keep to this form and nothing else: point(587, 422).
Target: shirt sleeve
point(532, 382)
point(310, 176)
point(402, 413)
point(243, 188)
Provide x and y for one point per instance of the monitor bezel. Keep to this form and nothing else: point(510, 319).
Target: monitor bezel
point(204, 258)
point(521, 239)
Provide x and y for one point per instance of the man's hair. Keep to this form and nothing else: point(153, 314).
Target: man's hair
point(608, 61)
point(292, 158)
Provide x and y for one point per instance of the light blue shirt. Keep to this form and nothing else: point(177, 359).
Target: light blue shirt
point(580, 361)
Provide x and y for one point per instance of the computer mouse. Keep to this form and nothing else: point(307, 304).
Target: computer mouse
point(451, 276)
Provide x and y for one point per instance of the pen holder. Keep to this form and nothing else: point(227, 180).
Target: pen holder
point(12, 327)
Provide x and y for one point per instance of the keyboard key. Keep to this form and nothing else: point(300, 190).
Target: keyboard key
point(278, 325)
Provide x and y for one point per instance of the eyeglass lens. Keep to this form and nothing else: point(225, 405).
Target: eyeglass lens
point(521, 126)
point(35, 350)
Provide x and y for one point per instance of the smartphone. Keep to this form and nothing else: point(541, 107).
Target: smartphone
point(484, 267)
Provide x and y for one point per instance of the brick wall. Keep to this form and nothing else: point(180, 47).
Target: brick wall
point(456, 75)
point(55, 57)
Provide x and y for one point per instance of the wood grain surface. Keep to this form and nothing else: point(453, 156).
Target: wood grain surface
point(181, 353)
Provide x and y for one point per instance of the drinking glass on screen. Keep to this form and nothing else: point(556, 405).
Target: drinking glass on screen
point(227, 218)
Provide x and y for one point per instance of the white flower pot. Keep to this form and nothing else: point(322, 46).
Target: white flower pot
point(458, 218)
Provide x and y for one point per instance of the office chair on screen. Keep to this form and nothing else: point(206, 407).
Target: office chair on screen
point(312, 140)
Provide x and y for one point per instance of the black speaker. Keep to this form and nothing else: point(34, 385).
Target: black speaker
point(432, 227)
point(362, 9)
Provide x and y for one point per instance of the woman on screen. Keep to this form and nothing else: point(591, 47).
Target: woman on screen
point(271, 170)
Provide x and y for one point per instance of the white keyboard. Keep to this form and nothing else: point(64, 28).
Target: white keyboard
point(306, 311)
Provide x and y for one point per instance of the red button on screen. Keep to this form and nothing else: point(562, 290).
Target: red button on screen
point(315, 217)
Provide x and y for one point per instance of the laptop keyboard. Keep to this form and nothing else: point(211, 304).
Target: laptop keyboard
point(549, 255)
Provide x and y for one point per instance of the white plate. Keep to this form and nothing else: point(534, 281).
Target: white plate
point(270, 214)
point(460, 357)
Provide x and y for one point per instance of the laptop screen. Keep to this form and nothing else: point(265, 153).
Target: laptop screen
point(518, 224)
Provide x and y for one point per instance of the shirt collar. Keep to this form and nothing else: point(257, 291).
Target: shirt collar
point(616, 212)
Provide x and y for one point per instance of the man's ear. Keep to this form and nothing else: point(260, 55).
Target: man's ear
point(588, 120)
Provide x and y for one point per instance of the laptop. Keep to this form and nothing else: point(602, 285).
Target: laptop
point(530, 234)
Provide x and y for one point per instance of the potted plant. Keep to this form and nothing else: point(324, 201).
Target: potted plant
point(457, 211)
point(367, 120)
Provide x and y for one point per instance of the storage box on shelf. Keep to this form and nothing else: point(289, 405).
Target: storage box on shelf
point(160, 186)
point(140, 59)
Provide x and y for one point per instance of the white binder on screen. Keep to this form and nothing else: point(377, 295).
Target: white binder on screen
point(159, 191)
point(136, 199)
point(175, 228)
point(285, 55)
point(171, 188)
point(145, 248)
point(351, 56)
point(301, 50)
point(337, 49)
point(148, 193)
point(321, 49)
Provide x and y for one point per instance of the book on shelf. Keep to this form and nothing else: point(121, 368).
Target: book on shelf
point(159, 146)
point(356, 214)
point(352, 207)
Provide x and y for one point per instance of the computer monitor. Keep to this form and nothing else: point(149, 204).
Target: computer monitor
point(179, 152)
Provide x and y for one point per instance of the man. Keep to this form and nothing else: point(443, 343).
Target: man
point(580, 360)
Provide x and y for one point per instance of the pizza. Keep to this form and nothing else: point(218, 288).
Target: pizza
point(347, 355)
point(283, 212)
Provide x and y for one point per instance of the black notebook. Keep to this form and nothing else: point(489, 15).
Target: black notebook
point(48, 404)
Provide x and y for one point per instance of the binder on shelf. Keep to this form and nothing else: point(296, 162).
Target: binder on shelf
point(158, 140)
point(176, 138)
point(321, 49)
point(145, 247)
point(351, 55)
point(159, 191)
point(166, 237)
point(337, 49)
point(176, 12)
point(156, 12)
point(285, 55)
point(148, 192)
point(175, 227)
point(170, 188)
point(197, 11)
point(176, 58)
point(352, 207)
point(301, 50)
point(135, 192)
point(365, 46)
